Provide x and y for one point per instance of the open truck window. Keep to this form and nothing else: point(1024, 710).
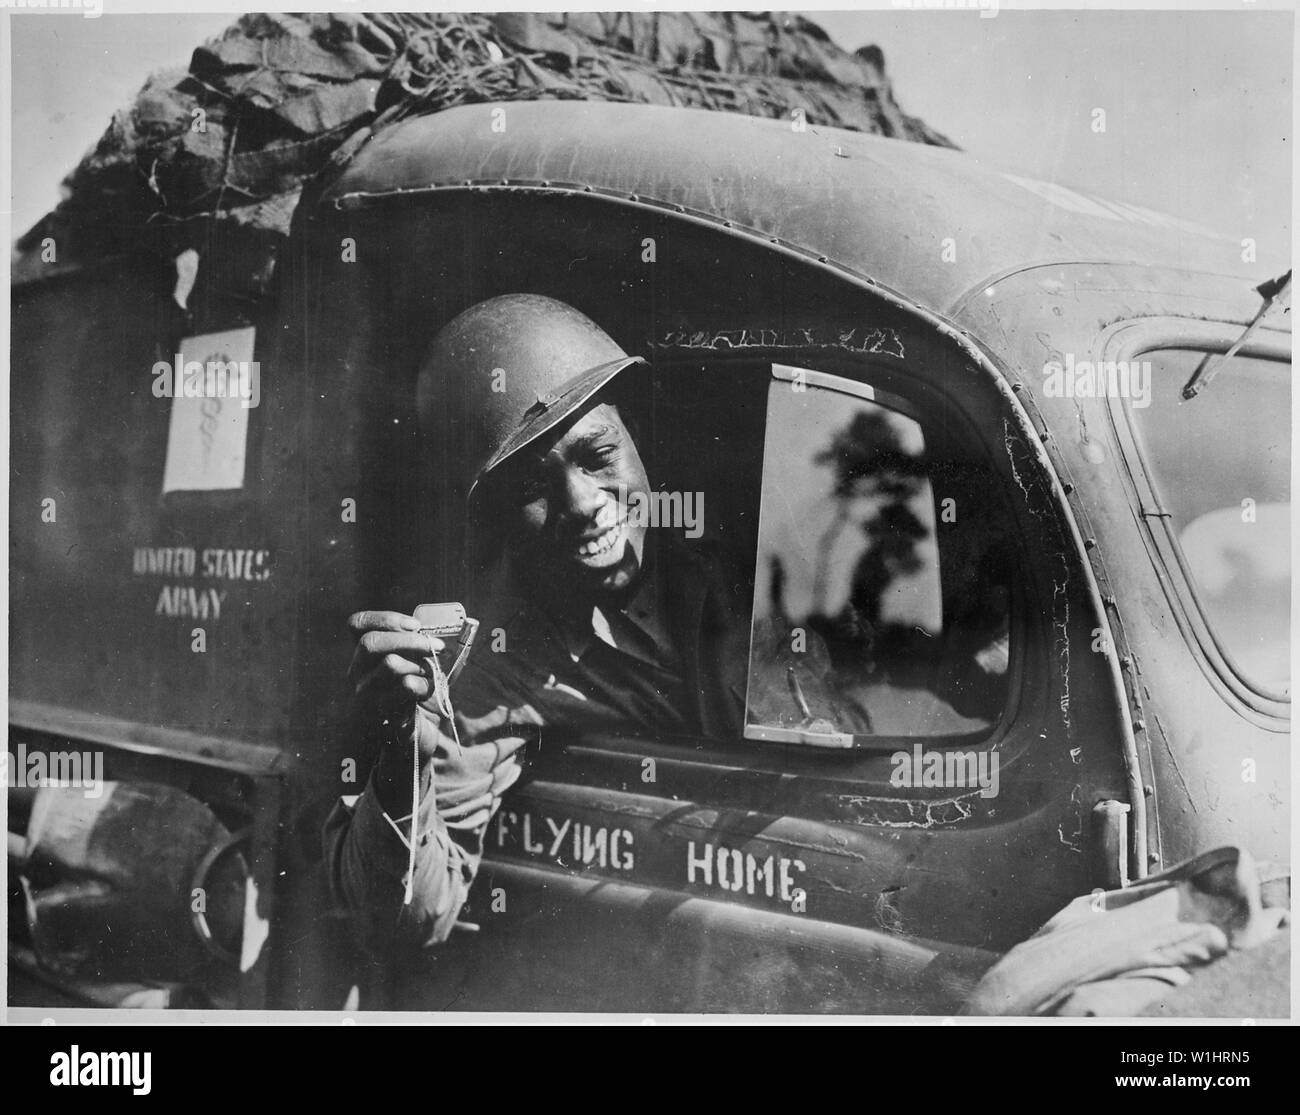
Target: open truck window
point(1220, 464)
point(881, 594)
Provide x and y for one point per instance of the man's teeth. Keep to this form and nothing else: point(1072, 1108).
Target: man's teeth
point(602, 544)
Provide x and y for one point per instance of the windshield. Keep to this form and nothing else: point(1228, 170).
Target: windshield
point(1221, 465)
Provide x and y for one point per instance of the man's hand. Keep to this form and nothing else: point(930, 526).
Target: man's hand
point(389, 671)
point(390, 676)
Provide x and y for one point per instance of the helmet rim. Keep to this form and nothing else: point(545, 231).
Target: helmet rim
point(553, 408)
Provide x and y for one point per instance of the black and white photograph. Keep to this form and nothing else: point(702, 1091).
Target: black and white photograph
point(656, 513)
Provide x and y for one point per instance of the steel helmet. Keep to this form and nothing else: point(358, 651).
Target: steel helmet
point(503, 372)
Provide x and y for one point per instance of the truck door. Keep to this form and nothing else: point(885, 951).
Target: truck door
point(910, 794)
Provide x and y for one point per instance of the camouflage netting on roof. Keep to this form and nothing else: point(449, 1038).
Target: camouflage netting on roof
point(267, 105)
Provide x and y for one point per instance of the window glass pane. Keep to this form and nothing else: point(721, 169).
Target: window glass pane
point(1221, 463)
point(856, 627)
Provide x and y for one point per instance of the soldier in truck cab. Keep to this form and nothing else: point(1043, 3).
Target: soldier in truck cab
point(606, 623)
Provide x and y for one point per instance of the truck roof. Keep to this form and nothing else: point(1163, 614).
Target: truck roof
point(877, 207)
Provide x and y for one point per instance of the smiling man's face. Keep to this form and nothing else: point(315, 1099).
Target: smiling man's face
point(570, 494)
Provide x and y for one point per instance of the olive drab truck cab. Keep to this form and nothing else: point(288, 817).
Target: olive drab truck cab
point(853, 347)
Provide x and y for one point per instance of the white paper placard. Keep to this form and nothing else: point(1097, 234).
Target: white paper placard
point(208, 436)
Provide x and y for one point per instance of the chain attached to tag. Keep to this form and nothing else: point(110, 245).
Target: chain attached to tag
point(441, 625)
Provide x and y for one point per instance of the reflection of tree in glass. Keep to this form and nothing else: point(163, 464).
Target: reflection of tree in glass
point(870, 464)
point(873, 472)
